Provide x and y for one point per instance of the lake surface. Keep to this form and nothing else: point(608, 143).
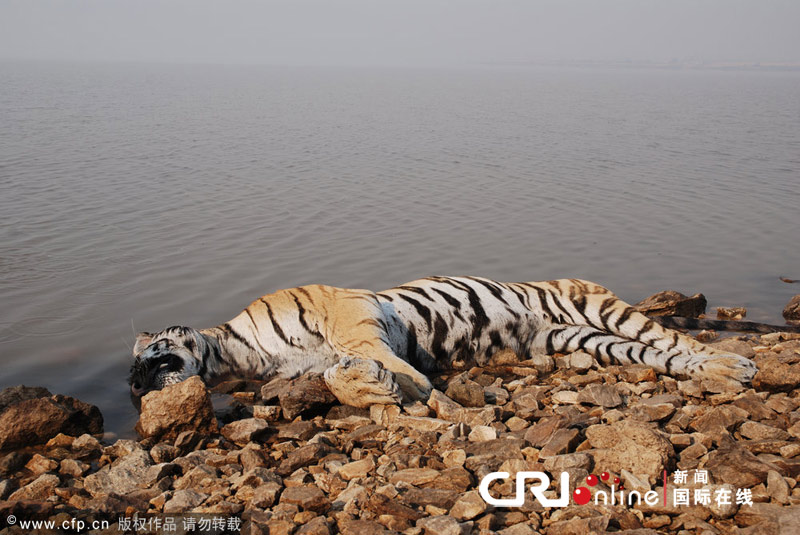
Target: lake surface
point(133, 197)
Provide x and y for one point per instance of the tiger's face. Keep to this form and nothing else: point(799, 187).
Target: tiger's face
point(164, 358)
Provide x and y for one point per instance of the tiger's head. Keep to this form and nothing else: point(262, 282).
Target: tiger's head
point(165, 358)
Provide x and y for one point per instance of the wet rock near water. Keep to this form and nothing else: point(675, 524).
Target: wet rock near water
point(31, 415)
point(672, 303)
point(300, 463)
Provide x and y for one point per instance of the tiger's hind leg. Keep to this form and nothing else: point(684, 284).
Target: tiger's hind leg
point(613, 349)
point(362, 382)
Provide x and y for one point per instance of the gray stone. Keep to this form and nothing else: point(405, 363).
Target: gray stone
point(122, 477)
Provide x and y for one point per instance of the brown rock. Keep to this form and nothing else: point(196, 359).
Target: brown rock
point(302, 456)
point(735, 465)
point(539, 433)
point(671, 303)
point(791, 312)
point(38, 419)
point(725, 416)
point(244, 431)
point(602, 395)
point(439, 525)
point(629, 445)
point(383, 505)
point(185, 406)
point(467, 393)
point(308, 391)
point(307, 498)
point(562, 441)
point(302, 430)
point(776, 376)
point(758, 431)
point(580, 526)
point(40, 488)
point(184, 500)
point(731, 313)
point(356, 469)
point(414, 476)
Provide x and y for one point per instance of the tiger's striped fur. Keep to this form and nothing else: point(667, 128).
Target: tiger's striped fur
point(422, 326)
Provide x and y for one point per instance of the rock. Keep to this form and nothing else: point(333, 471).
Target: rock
point(184, 501)
point(777, 487)
point(629, 445)
point(776, 376)
point(15, 394)
point(725, 416)
point(646, 412)
point(73, 468)
point(439, 525)
point(735, 465)
point(671, 303)
point(565, 397)
point(38, 419)
point(164, 453)
point(414, 476)
point(731, 313)
point(734, 345)
point(580, 526)
point(467, 393)
point(185, 406)
point(122, 477)
point(482, 433)
point(86, 446)
point(302, 430)
point(707, 336)
point(307, 498)
point(243, 431)
point(581, 361)
point(356, 469)
point(540, 433)
point(270, 413)
point(602, 395)
point(39, 489)
point(266, 495)
point(39, 464)
point(791, 312)
point(562, 463)
point(301, 457)
point(757, 431)
point(304, 393)
point(561, 441)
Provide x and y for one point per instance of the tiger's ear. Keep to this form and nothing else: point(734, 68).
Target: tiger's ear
point(142, 341)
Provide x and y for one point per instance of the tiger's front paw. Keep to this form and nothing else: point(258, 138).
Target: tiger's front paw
point(730, 366)
point(361, 383)
point(416, 388)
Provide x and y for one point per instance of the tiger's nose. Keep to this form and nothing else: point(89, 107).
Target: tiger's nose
point(137, 389)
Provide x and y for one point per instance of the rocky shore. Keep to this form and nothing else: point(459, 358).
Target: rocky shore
point(285, 458)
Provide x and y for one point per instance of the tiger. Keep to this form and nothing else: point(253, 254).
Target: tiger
point(381, 347)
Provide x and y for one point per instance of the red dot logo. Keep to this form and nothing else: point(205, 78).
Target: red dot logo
point(581, 496)
point(616, 481)
point(604, 476)
point(591, 480)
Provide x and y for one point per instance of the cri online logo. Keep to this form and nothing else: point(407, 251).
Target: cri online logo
point(581, 495)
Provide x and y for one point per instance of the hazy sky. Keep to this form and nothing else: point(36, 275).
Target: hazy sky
point(409, 32)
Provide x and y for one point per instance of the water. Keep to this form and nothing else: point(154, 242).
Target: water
point(142, 196)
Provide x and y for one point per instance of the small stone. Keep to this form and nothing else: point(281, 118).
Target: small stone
point(265, 495)
point(439, 525)
point(565, 397)
point(39, 489)
point(356, 469)
point(639, 373)
point(183, 501)
point(164, 453)
point(731, 313)
point(414, 476)
point(304, 393)
point(73, 468)
point(647, 412)
point(87, 446)
point(466, 393)
point(776, 376)
point(543, 363)
point(758, 431)
point(777, 487)
point(302, 430)
point(672, 303)
point(791, 312)
point(516, 424)
point(482, 433)
point(39, 464)
point(602, 395)
point(581, 361)
point(307, 498)
point(270, 413)
point(561, 441)
point(244, 431)
point(707, 336)
point(120, 478)
point(468, 506)
point(454, 458)
point(629, 445)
